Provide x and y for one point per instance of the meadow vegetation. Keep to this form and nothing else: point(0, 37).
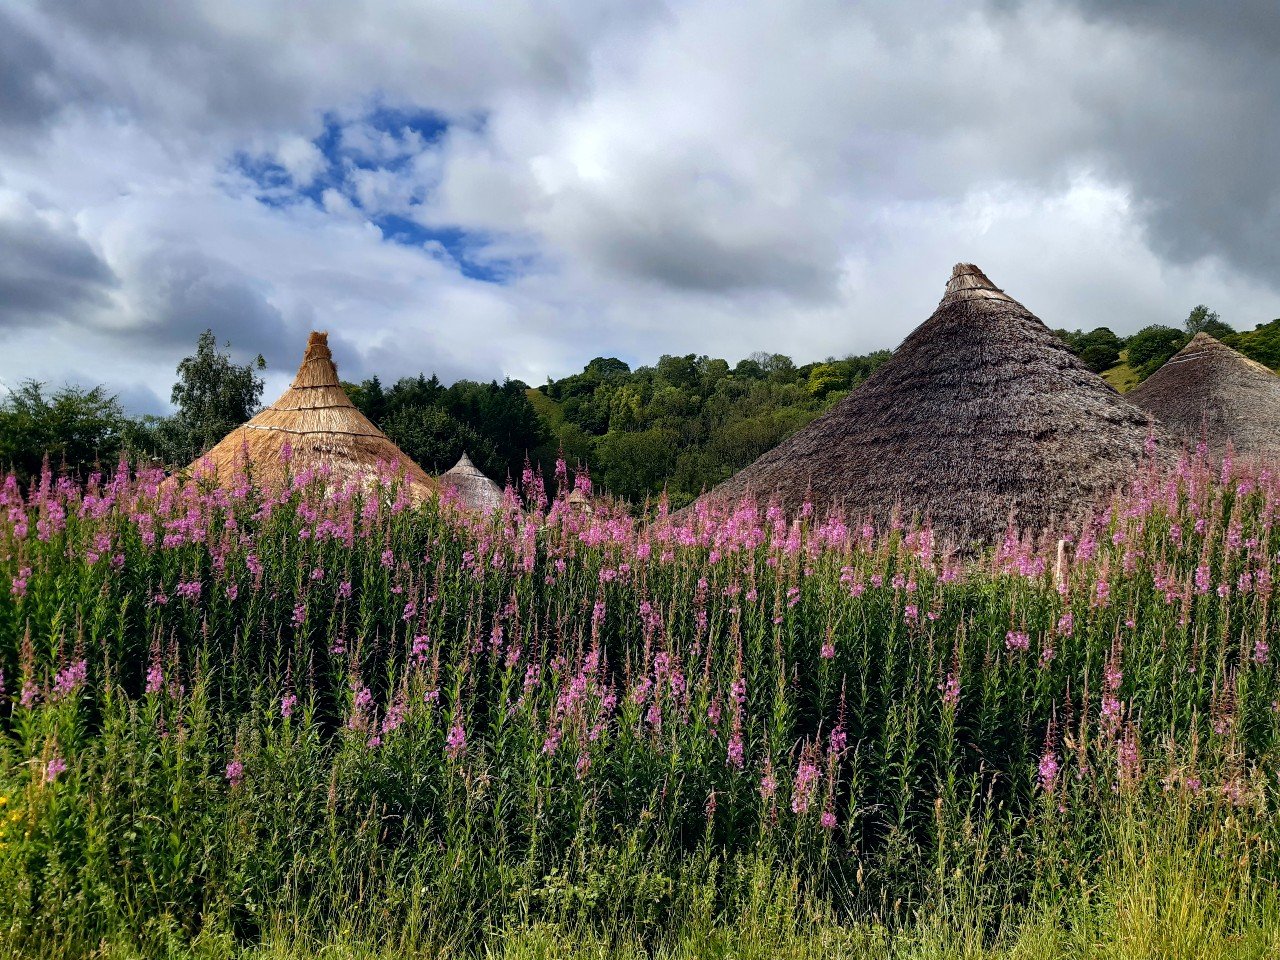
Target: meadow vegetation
point(330, 722)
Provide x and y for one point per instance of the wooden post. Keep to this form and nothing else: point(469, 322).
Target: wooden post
point(1060, 570)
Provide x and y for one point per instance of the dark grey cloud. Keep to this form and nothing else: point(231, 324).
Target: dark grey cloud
point(165, 61)
point(732, 245)
point(138, 399)
point(695, 260)
point(247, 68)
point(29, 87)
point(188, 292)
point(1197, 132)
point(1240, 23)
point(47, 270)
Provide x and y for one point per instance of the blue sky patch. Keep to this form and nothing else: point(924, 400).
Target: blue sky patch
point(465, 248)
point(384, 143)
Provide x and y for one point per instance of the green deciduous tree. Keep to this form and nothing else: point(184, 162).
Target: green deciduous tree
point(1151, 346)
point(636, 464)
point(1099, 349)
point(75, 427)
point(1262, 343)
point(213, 396)
point(824, 378)
point(1203, 320)
point(434, 439)
point(494, 424)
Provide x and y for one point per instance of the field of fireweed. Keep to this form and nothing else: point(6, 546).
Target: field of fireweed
point(282, 724)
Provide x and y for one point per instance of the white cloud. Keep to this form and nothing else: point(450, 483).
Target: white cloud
point(301, 158)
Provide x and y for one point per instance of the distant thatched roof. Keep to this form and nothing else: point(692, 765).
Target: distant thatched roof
point(981, 412)
point(1210, 392)
point(475, 491)
point(322, 427)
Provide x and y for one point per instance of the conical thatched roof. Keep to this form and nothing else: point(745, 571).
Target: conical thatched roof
point(1210, 392)
point(981, 412)
point(322, 428)
point(475, 491)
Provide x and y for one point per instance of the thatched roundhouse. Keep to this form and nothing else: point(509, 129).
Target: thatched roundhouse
point(1212, 393)
point(981, 414)
point(473, 489)
point(322, 428)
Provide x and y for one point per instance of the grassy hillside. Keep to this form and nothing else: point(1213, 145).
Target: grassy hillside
point(548, 410)
point(1122, 376)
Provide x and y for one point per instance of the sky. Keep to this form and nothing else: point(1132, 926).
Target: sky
point(490, 190)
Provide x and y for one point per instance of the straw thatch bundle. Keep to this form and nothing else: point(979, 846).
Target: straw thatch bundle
point(981, 414)
point(474, 490)
point(1212, 393)
point(322, 428)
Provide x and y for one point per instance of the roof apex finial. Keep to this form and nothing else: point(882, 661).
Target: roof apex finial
point(968, 282)
point(967, 276)
point(317, 368)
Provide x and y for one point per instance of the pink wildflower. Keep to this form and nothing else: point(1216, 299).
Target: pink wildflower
point(802, 790)
point(736, 752)
point(1129, 756)
point(70, 679)
point(457, 741)
point(950, 689)
point(839, 739)
point(1017, 640)
point(768, 785)
point(189, 590)
point(1049, 768)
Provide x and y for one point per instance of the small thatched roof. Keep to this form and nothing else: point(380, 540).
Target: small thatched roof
point(475, 491)
point(1212, 393)
point(982, 412)
point(322, 427)
point(579, 501)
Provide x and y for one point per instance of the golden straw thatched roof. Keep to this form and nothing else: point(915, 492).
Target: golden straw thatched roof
point(475, 491)
point(980, 413)
point(1212, 393)
point(322, 427)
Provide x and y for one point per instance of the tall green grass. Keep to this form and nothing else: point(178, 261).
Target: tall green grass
point(330, 720)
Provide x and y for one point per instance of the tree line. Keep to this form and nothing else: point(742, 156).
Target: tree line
point(1146, 351)
point(680, 425)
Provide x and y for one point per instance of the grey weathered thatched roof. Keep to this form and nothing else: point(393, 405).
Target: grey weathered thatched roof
point(982, 412)
point(1212, 393)
point(475, 491)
